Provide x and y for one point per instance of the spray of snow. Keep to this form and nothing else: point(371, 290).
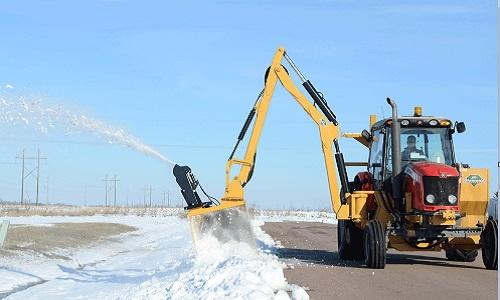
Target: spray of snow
point(32, 113)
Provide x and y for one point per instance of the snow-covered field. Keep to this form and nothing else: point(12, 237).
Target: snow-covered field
point(296, 215)
point(155, 262)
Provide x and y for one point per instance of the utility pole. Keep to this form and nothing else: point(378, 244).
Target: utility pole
point(150, 192)
point(47, 191)
point(24, 175)
point(37, 176)
point(114, 180)
point(85, 195)
point(22, 180)
point(147, 189)
point(168, 198)
point(106, 191)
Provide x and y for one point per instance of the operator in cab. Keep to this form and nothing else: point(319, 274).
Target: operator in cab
point(411, 147)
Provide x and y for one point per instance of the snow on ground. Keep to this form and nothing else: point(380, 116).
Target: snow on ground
point(155, 262)
point(296, 216)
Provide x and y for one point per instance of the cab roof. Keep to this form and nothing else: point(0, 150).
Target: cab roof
point(412, 121)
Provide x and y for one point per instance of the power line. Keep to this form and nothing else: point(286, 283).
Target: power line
point(182, 146)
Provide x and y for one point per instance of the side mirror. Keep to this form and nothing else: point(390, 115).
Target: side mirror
point(460, 127)
point(366, 135)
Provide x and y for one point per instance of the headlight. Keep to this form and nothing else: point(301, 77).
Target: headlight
point(452, 199)
point(433, 122)
point(430, 198)
point(405, 122)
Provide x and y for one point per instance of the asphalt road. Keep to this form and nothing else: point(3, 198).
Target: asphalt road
point(310, 249)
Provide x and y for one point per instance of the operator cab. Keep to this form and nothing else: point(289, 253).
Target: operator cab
point(427, 139)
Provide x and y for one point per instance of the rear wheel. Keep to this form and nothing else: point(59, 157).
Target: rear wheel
point(375, 245)
point(350, 241)
point(488, 242)
point(455, 254)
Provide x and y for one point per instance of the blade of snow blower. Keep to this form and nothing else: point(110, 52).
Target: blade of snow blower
point(226, 220)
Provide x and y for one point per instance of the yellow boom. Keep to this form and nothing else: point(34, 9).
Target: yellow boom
point(231, 206)
point(234, 193)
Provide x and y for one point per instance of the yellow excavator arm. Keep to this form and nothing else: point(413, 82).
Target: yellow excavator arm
point(216, 217)
point(319, 112)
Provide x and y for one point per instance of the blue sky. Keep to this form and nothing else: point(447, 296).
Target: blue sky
point(183, 75)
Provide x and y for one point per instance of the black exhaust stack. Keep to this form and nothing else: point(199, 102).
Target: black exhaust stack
point(396, 153)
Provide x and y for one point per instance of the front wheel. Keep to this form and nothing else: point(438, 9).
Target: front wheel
point(488, 242)
point(375, 245)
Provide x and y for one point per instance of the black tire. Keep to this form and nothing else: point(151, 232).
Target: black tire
point(375, 245)
point(454, 254)
point(489, 250)
point(350, 241)
point(342, 246)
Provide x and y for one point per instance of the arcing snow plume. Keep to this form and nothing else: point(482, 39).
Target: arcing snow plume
point(31, 112)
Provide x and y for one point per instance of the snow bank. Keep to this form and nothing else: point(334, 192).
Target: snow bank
point(159, 248)
point(155, 262)
point(231, 270)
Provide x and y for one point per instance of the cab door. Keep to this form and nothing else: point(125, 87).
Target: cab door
point(375, 161)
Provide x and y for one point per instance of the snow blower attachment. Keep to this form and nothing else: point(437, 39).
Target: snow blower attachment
point(225, 220)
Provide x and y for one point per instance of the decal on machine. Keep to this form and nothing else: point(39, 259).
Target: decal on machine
point(474, 179)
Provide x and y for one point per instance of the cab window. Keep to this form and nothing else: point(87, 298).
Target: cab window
point(426, 144)
point(421, 144)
